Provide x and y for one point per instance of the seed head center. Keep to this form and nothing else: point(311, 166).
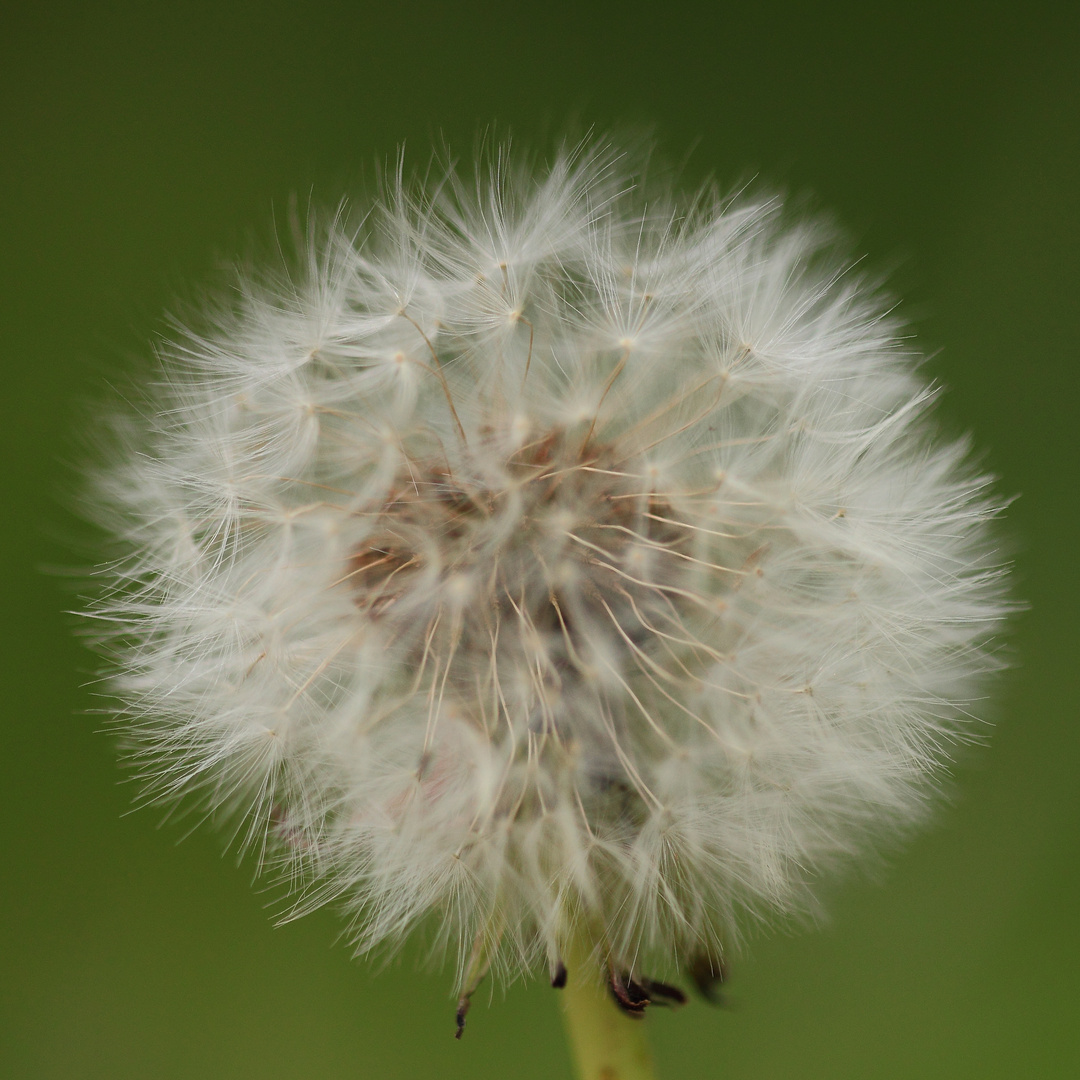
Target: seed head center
point(540, 574)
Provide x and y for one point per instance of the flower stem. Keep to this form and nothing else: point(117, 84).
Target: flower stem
point(606, 1044)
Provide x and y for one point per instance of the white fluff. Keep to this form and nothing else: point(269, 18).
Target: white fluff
point(543, 554)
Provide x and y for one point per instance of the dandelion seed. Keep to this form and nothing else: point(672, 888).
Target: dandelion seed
point(553, 561)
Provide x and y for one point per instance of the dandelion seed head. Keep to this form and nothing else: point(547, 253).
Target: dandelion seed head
point(547, 552)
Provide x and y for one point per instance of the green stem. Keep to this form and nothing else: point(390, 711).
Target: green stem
point(606, 1043)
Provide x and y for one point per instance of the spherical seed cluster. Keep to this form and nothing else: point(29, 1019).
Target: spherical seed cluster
point(550, 559)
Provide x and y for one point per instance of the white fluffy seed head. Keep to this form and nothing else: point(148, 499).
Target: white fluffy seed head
point(542, 555)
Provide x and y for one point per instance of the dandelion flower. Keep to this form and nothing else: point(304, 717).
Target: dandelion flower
point(546, 559)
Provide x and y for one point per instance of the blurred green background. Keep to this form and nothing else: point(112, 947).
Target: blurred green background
point(140, 148)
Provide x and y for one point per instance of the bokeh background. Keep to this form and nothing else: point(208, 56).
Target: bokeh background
point(141, 146)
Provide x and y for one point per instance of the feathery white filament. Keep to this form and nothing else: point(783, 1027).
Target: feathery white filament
point(538, 554)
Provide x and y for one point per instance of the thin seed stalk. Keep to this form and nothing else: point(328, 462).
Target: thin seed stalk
point(605, 1043)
